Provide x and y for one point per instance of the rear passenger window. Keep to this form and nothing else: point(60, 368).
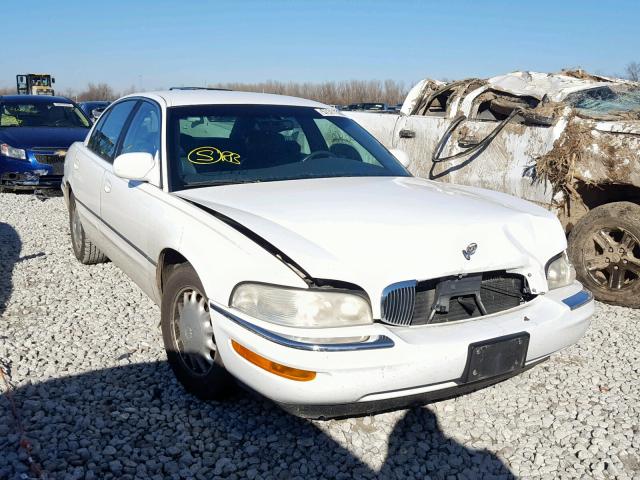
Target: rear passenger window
point(104, 138)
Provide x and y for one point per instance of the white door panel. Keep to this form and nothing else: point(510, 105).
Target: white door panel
point(131, 213)
point(88, 171)
point(93, 226)
point(506, 165)
point(380, 125)
point(417, 136)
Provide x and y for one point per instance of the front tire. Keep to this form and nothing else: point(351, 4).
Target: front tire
point(84, 249)
point(188, 336)
point(604, 248)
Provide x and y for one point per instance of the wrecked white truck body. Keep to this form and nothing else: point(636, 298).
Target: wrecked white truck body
point(568, 141)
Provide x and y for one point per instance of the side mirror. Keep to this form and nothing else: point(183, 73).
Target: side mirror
point(96, 112)
point(401, 156)
point(134, 166)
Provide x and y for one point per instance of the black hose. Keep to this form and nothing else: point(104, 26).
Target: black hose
point(435, 157)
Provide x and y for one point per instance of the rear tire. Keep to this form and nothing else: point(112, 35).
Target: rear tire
point(604, 248)
point(84, 249)
point(188, 336)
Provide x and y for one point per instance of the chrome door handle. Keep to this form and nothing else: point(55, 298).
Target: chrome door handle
point(107, 187)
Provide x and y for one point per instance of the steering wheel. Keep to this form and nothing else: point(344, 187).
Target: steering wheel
point(318, 153)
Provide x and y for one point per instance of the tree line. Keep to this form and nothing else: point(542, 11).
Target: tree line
point(335, 92)
point(342, 92)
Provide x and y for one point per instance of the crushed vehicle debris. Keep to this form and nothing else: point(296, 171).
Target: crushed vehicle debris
point(569, 141)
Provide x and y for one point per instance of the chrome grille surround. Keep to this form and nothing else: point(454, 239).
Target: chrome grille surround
point(410, 303)
point(398, 302)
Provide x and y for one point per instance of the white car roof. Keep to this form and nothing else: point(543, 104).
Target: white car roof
point(174, 98)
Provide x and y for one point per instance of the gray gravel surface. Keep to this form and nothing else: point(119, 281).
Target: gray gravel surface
point(96, 399)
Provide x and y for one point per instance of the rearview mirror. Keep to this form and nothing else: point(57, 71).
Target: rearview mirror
point(401, 156)
point(134, 166)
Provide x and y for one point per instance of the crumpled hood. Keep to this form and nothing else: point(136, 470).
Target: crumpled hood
point(375, 231)
point(631, 127)
point(29, 137)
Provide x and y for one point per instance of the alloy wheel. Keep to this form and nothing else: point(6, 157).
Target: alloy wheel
point(614, 260)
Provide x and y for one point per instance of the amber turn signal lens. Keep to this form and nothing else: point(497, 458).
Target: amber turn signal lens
point(273, 367)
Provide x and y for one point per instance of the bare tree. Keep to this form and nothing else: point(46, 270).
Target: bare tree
point(633, 71)
point(97, 91)
point(332, 92)
point(337, 93)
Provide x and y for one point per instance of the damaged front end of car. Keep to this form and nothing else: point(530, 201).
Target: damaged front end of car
point(567, 141)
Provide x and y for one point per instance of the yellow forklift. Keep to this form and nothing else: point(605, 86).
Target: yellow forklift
point(35, 84)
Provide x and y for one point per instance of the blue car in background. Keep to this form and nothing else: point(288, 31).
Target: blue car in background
point(94, 108)
point(35, 133)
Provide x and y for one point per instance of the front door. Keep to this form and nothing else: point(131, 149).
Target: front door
point(130, 207)
point(90, 163)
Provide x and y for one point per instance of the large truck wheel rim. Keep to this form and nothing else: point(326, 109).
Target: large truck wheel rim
point(614, 260)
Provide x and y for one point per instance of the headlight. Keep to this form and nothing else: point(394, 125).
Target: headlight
point(560, 272)
point(9, 151)
point(301, 308)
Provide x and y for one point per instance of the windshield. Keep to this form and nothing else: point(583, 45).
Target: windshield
point(606, 100)
point(221, 144)
point(41, 114)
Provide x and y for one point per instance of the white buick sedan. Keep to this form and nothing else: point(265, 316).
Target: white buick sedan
point(288, 249)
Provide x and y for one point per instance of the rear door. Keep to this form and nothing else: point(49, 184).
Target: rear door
point(133, 209)
point(507, 164)
point(418, 135)
point(91, 161)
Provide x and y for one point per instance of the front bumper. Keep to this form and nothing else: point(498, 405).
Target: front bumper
point(414, 364)
point(29, 181)
point(341, 410)
point(30, 174)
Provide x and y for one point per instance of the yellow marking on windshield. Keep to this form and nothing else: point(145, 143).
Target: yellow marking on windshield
point(210, 155)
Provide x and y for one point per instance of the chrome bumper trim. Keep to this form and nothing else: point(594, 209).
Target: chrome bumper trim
point(578, 300)
point(380, 342)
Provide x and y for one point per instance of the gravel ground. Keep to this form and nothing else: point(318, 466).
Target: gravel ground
point(96, 399)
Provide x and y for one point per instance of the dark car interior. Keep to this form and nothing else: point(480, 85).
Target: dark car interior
point(41, 114)
point(263, 143)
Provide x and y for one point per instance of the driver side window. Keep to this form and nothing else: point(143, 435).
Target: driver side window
point(143, 134)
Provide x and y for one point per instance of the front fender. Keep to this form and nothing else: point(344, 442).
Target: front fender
point(221, 256)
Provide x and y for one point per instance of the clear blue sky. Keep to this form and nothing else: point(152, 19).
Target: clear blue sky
point(162, 43)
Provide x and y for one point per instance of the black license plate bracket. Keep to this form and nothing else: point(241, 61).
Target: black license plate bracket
point(495, 357)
